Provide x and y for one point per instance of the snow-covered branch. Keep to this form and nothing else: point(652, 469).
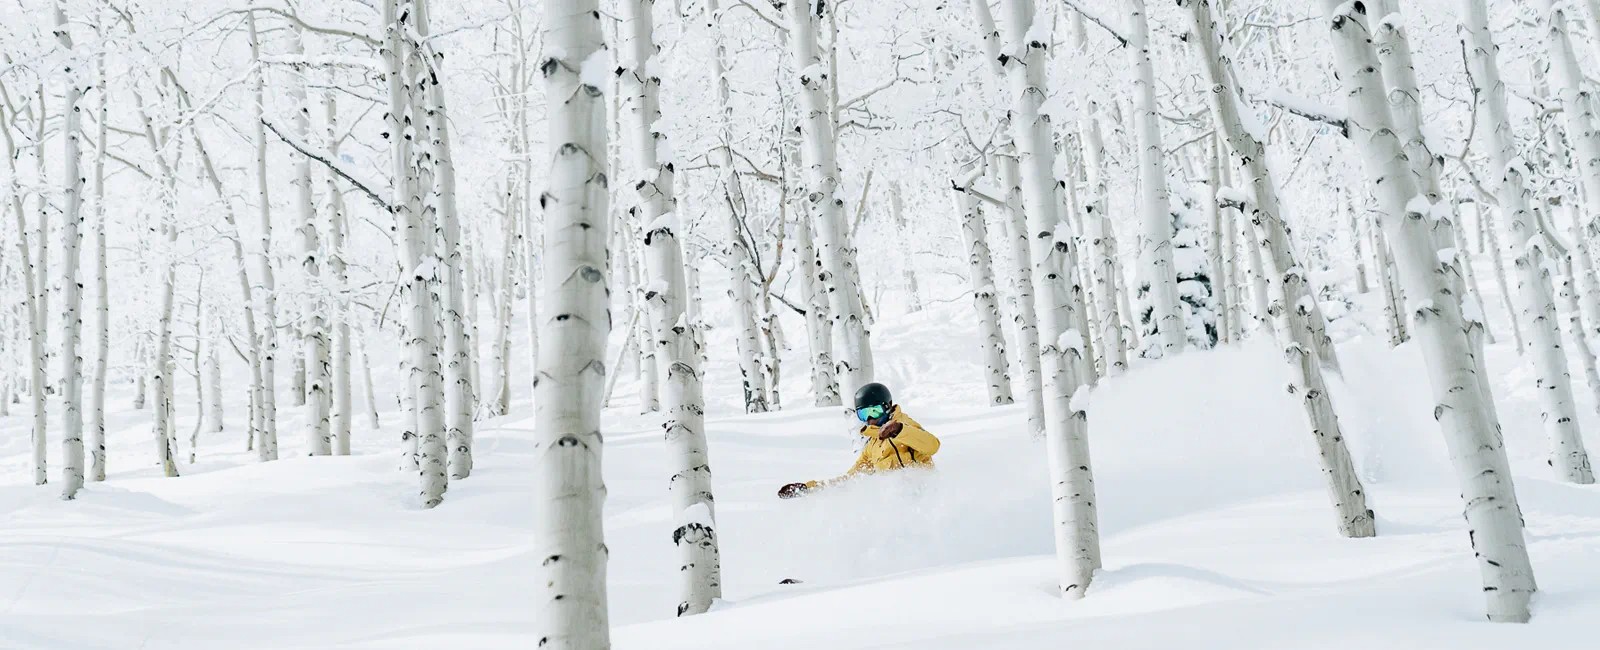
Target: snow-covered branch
point(333, 167)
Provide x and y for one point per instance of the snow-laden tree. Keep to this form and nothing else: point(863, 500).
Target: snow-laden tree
point(667, 298)
point(1291, 320)
point(1077, 530)
point(814, 84)
point(571, 370)
point(1165, 331)
point(1536, 309)
point(1469, 424)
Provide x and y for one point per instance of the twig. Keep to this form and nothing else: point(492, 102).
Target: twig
point(1104, 24)
point(330, 165)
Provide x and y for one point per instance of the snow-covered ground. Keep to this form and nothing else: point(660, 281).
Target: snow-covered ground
point(1217, 532)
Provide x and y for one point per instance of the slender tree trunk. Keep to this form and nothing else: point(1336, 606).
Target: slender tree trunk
point(1025, 318)
point(824, 380)
point(667, 298)
point(1216, 257)
point(991, 337)
point(31, 277)
point(1291, 319)
point(458, 387)
point(366, 379)
point(102, 320)
point(1066, 432)
point(72, 470)
point(267, 446)
point(341, 415)
point(1568, 290)
point(1537, 308)
point(1471, 433)
point(825, 206)
point(1155, 238)
point(571, 372)
point(312, 377)
point(418, 262)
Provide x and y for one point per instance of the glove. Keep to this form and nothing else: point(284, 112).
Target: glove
point(792, 490)
point(889, 430)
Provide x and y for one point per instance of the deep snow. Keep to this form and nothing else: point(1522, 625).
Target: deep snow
point(1217, 532)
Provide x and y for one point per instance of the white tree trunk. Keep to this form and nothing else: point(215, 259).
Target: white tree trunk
point(501, 397)
point(908, 271)
point(267, 446)
point(72, 470)
point(1216, 257)
point(666, 296)
point(980, 275)
point(458, 386)
point(420, 267)
point(571, 369)
point(1025, 317)
point(366, 379)
point(341, 415)
point(102, 320)
point(1098, 227)
point(1291, 317)
point(1471, 433)
point(1066, 432)
point(1536, 309)
point(1568, 290)
point(742, 273)
point(824, 202)
point(313, 364)
point(31, 279)
point(1155, 237)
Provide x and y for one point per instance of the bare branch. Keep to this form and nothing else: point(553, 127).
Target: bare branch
point(1104, 23)
point(306, 151)
point(320, 29)
point(757, 11)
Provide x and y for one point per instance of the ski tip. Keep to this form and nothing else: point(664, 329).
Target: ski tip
point(788, 581)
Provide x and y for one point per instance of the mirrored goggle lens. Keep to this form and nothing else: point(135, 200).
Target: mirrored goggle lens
point(869, 413)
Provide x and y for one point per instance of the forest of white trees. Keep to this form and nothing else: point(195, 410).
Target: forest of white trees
point(295, 195)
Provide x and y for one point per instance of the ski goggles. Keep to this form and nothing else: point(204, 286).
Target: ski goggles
point(873, 412)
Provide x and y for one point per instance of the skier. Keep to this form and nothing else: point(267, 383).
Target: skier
point(894, 441)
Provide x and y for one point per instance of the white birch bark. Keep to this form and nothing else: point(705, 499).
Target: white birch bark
point(102, 321)
point(366, 379)
point(742, 280)
point(824, 377)
point(667, 298)
point(1290, 316)
point(1025, 316)
point(571, 370)
point(908, 271)
point(314, 363)
point(161, 366)
point(1471, 433)
point(341, 414)
point(212, 367)
point(31, 279)
point(72, 181)
point(267, 446)
point(1536, 309)
point(1568, 291)
point(458, 386)
point(823, 199)
point(1216, 256)
point(420, 267)
point(1571, 92)
point(1098, 227)
point(500, 399)
point(1077, 533)
point(980, 275)
point(1155, 236)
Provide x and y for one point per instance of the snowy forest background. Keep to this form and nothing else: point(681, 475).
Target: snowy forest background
point(1339, 251)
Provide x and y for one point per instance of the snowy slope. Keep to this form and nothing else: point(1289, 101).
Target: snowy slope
point(1216, 529)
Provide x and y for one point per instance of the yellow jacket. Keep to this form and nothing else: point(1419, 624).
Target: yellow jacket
point(913, 447)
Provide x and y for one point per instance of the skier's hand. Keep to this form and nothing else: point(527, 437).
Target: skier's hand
point(889, 430)
point(791, 490)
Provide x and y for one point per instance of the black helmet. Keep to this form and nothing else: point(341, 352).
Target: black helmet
point(873, 394)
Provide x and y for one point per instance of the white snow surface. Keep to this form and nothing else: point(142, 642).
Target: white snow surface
point(1217, 531)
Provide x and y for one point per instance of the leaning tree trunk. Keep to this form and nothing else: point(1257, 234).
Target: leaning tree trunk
point(1577, 108)
point(667, 298)
point(571, 370)
point(825, 208)
point(1167, 332)
point(1537, 308)
point(1568, 290)
point(72, 471)
point(267, 446)
point(991, 337)
point(1290, 316)
point(1077, 532)
point(161, 366)
point(313, 324)
point(1470, 429)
